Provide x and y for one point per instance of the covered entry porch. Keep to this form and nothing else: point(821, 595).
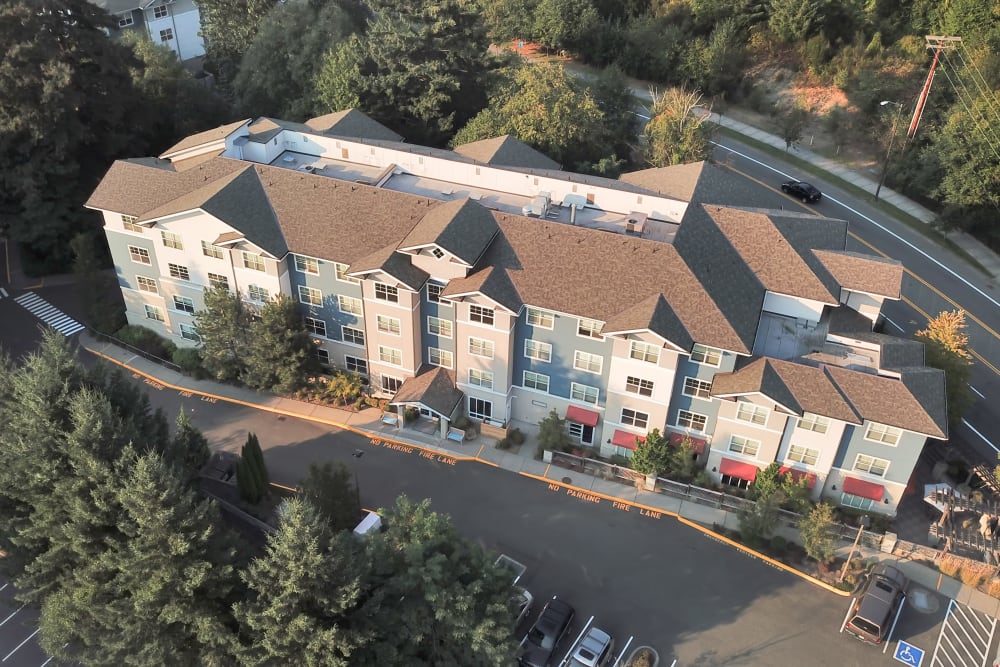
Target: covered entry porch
point(433, 393)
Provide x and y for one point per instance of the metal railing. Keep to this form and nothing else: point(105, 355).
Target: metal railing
point(132, 348)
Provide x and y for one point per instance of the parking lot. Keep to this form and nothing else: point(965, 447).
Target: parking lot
point(18, 632)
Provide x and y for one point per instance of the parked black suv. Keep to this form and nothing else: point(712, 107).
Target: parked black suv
point(874, 610)
point(807, 192)
point(543, 637)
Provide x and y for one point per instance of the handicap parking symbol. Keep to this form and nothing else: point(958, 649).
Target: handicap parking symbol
point(908, 654)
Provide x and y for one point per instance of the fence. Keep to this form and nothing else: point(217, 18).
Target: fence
point(132, 348)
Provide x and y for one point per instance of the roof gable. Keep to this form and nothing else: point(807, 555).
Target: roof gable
point(491, 282)
point(890, 402)
point(863, 273)
point(392, 263)
point(507, 151)
point(215, 135)
point(351, 123)
point(653, 314)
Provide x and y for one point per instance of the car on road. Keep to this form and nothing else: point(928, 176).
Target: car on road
point(808, 193)
point(544, 636)
point(875, 608)
point(593, 650)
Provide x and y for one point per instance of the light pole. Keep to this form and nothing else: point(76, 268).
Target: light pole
point(892, 138)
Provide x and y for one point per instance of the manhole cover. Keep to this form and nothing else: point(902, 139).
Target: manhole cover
point(567, 480)
point(923, 600)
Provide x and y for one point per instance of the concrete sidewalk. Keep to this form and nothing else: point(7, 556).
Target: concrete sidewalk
point(578, 484)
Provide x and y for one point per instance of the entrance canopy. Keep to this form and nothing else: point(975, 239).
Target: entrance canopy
point(432, 388)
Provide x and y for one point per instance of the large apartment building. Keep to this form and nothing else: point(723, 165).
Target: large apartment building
point(484, 281)
point(175, 24)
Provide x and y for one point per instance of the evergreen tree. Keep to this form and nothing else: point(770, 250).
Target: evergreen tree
point(651, 456)
point(330, 489)
point(565, 24)
point(224, 327)
point(248, 482)
point(188, 449)
point(946, 346)
point(278, 353)
point(302, 594)
point(229, 28)
point(252, 451)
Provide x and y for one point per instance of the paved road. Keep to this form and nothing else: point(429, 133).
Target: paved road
point(18, 632)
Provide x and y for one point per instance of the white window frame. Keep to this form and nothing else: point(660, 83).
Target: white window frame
point(171, 240)
point(310, 296)
point(872, 462)
point(444, 358)
point(481, 347)
point(639, 386)
point(537, 350)
point(322, 356)
point(804, 455)
point(437, 252)
point(210, 250)
point(393, 326)
point(588, 328)
point(258, 294)
point(481, 378)
point(357, 365)
point(482, 315)
point(386, 379)
point(167, 35)
point(315, 326)
point(583, 361)
point(480, 414)
point(217, 279)
point(154, 313)
point(856, 502)
point(537, 317)
point(813, 422)
point(642, 351)
point(392, 353)
point(307, 265)
point(741, 444)
point(341, 274)
point(751, 413)
point(537, 381)
point(125, 21)
point(434, 294)
point(350, 335)
point(635, 418)
point(699, 386)
point(444, 327)
point(144, 284)
point(189, 332)
point(160, 12)
point(179, 271)
point(253, 261)
point(883, 433)
point(582, 392)
point(182, 303)
point(386, 292)
point(353, 305)
point(691, 418)
point(128, 222)
point(142, 254)
point(702, 354)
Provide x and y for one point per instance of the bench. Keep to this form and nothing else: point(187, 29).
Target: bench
point(390, 418)
point(455, 434)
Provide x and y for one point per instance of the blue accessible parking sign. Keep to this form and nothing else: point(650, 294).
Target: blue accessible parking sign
point(908, 654)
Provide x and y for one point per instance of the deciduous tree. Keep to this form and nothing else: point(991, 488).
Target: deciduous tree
point(552, 433)
point(229, 28)
point(816, 530)
point(946, 346)
point(674, 133)
point(652, 456)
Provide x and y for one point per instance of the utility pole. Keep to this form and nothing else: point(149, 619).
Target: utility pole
point(892, 138)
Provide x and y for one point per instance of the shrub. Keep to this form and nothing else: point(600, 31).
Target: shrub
point(189, 359)
point(503, 443)
point(779, 544)
point(461, 422)
point(644, 658)
point(411, 414)
point(949, 566)
point(993, 590)
point(146, 340)
point(516, 436)
point(973, 574)
point(618, 460)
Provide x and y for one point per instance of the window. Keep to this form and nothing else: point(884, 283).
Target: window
point(356, 365)
point(480, 409)
point(481, 347)
point(749, 412)
point(434, 294)
point(635, 385)
point(342, 274)
point(172, 240)
point(385, 292)
point(481, 315)
point(184, 303)
point(540, 318)
point(153, 313)
point(811, 422)
point(310, 296)
point(352, 335)
point(438, 253)
point(307, 265)
point(801, 454)
point(871, 465)
point(480, 378)
point(585, 361)
point(589, 328)
point(349, 304)
point(218, 280)
point(710, 356)
point(439, 357)
point(697, 388)
point(857, 502)
point(882, 433)
point(166, 34)
point(644, 352)
point(582, 392)
point(745, 446)
point(534, 349)
point(691, 420)
point(439, 327)
point(139, 255)
point(160, 12)
point(258, 294)
point(391, 384)
point(209, 250)
point(634, 418)
point(125, 21)
point(390, 355)
point(252, 261)
point(178, 271)
point(315, 326)
point(536, 381)
point(128, 222)
point(189, 332)
point(147, 285)
point(322, 356)
point(389, 325)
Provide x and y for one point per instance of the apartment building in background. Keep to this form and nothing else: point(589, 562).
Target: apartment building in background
point(486, 282)
point(175, 24)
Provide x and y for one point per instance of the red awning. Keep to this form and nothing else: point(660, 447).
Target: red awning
point(698, 444)
point(626, 439)
point(745, 471)
point(859, 487)
point(799, 474)
point(582, 416)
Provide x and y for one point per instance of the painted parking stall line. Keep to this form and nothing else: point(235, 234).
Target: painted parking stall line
point(965, 638)
point(49, 314)
point(3, 293)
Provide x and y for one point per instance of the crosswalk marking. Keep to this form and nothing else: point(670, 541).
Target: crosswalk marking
point(3, 293)
point(49, 314)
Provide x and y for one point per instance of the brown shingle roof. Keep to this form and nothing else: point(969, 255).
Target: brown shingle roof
point(351, 123)
point(889, 401)
point(490, 281)
point(695, 182)
point(863, 273)
point(652, 314)
point(206, 137)
point(462, 227)
point(506, 151)
point(434, 387)
point(396, 264)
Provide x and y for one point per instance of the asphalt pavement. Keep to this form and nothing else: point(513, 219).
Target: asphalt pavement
point(18, 631)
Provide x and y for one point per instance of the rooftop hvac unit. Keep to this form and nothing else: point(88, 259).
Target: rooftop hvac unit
point(635, 222)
